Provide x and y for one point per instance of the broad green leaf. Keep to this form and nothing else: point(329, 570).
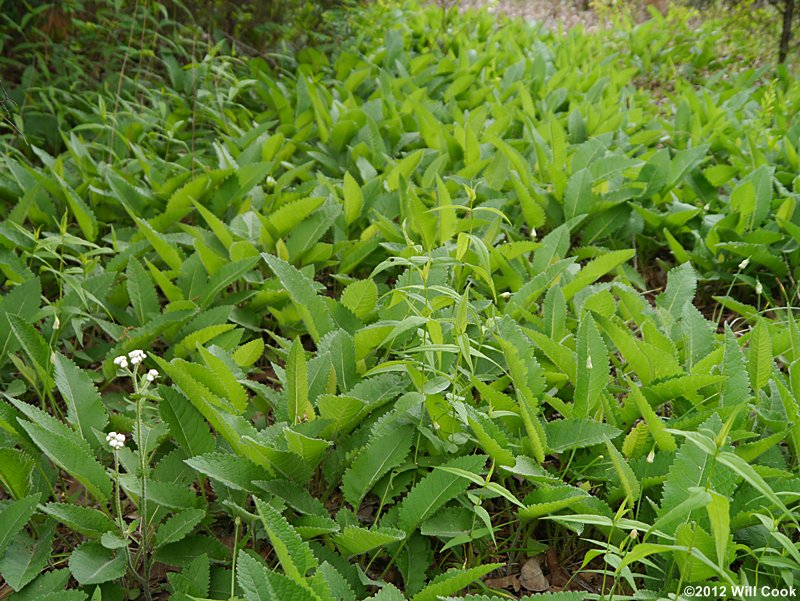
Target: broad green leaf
point(141, 291)
point(232, 471)
point(577, 433)
point(299, 407)
point(720, 518)
point(72, 457)
point(681, 287)
point(453, 581)
point(91, 563)
point(578, 196)
point(311, 307)
point(36, 348)
point(13, 518)
point(593, 368)
point(85, 409)
point(759, 356)
point(656, 427)
point(262, 584)
point(186, 424)
point(85, 520)
point(353, 199)
point(293, 553)
point(379, 456)
point(361, 298)
point(178, 526)
point(595, 269)
point(26, 558)
point(356, 541)
point(630, 483)
point(16, 469)
point(433, 491)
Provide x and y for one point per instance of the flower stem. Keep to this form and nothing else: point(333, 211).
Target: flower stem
point(143, 525)
point(237, 523)
point(120, 520)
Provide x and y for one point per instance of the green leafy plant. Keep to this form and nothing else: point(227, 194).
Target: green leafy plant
point(416, 311)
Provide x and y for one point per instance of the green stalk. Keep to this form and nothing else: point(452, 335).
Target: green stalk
point(237, 522)
point(143, 500)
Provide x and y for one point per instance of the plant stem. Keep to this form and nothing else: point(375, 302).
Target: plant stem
point(143, 499)
point(237, 523)
point(120, 521)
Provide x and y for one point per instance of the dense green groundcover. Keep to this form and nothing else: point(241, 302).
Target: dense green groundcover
point(413, 311)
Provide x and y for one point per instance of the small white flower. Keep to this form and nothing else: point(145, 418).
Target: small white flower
point(122, 361)
point(634, 534)
point(152, 375)
point(137, 356)
point(744, 264)
point(759, 287)
point(115, 440)
point(651, 456)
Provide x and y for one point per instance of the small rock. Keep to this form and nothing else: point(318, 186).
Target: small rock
point(531, 576)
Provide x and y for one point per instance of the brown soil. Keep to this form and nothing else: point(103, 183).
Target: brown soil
point(554, 14)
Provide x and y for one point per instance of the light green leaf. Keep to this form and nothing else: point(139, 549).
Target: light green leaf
point(759, 355)
point(311, 307)
point(299, 407)
point(595, 269)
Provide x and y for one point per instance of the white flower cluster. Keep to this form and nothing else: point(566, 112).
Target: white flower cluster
point(151, 375)
point(136, 356)
point(115, 440)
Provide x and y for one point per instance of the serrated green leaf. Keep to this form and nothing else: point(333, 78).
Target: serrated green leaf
point(356, 541)
point(262, 584)
point(232, 471)
point(759, 356)
point(630, 483)
point(593, 368)
point(13, 518)
point(185, 423)
point(299, 407)
point(453, 581)
point(595, 269)
point(294, 554)
point(379, 456)
point(311, 307)
point(361, 298)
point(433, 491)
point(85, 409)
point(577, 433)
point(141, 291)
point(85, 520)
point(73, 457)
point(178, 526)
point(16, 468)
point(91, 563)
point(26, 558)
